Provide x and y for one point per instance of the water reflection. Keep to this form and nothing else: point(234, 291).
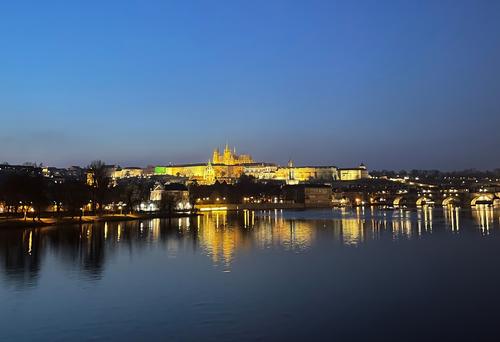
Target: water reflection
point(401, 223)
point(484, 216)
point(217, 238)
point(221, 236)
point(425, 219)
point(452, 217)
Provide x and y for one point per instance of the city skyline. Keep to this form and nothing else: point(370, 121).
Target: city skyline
point(195, 157)
point(393, 85)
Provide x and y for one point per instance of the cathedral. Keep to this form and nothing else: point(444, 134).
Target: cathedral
point(229, 157)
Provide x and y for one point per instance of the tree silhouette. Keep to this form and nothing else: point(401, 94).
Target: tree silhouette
point(100, 181)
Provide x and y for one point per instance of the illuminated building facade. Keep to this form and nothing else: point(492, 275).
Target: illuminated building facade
point(292, 174)
point(311, 195)
point(228, 167)
point(127, 172)
point(356, 173)
point(224, 167)
point(262, 171)
point(109, 170)
point(202, 173)
point(174, 193)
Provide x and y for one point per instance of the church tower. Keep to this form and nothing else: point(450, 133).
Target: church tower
point(216, 156)
point(209, 174)
point(291, 171)
point(228, 156)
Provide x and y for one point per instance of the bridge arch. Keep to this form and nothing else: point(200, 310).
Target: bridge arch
point(451, 201)
point(400, 201)
point(424, 200)
point(483, 199)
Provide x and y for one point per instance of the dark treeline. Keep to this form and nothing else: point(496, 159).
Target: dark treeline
point(20, 192)
point(32, 194)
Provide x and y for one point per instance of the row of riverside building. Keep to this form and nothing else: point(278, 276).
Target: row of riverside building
point(302, 184)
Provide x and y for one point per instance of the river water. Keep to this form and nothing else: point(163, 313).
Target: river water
point(341, 274)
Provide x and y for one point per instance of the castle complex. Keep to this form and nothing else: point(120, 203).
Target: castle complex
point(228, 167)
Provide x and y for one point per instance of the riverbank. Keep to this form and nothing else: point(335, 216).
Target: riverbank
point(19, 222)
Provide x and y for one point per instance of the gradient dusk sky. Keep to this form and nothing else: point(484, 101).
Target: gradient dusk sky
point(393, 84)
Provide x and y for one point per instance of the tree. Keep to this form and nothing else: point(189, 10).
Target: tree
point(76, 194)
point(167, 203)
point(131, 193)
point(56, 195)
point(37, 194)
point(15, 192)
point(100, 183)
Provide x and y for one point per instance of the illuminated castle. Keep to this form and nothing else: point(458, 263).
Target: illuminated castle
point(228, 167)
point(224, 167)
point(230, 158)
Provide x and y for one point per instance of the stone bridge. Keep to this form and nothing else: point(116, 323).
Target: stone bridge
point(432, 198)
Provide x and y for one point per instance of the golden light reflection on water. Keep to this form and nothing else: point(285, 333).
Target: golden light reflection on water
point(30, 243)
point(352, 231)
point(223, 236)
point(217, 239)
point(484, 217)
point(401, 224)
point(424, 219)
point(220, 240)
point(291, 235)
point(451, 216)
point(273, 230)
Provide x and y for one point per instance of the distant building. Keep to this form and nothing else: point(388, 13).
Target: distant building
point(127, 172)
point(311, 195)
point(356, 173)
point(108, 169)
point(261, 171)
point(292, 174)
point(202, 173)
point(300, 174)
point(61, 175)
point(228, 167)
point(174, 194)
point(225, 167)
point(75, 172)
point(21, 169)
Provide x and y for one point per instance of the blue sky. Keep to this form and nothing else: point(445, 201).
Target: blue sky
point(393, 84)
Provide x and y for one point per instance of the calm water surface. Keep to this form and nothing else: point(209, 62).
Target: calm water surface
point(351, 274)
